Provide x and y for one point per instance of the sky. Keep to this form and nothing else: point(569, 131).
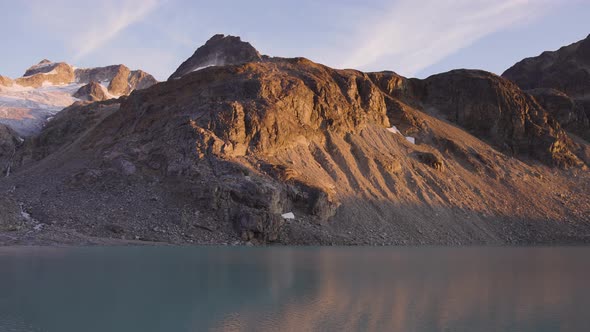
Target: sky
point(411, 37)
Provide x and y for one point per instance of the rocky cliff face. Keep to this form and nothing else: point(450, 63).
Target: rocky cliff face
point(553, 76)
point(219, 155)
point(569, 112)
point(496, 110)
point(9, 143)
point(220, 50)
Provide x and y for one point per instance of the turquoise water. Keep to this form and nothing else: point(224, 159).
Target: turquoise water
point(294, 289)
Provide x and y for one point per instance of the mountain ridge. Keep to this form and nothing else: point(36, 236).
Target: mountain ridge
point(26, 103)
point(560, 81)
point(218, 155)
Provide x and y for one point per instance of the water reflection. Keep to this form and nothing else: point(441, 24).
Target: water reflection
point(433, 290)
point(295, 289)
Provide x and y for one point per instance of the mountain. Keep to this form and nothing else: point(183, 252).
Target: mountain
point(560, 81)
point(27, 102)
point(289, 151)
point(220, 50)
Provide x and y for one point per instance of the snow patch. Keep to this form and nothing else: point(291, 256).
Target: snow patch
point(203, 67)
point(26, 109)
point(105, 88)
point(394, 130)
point(288, 215)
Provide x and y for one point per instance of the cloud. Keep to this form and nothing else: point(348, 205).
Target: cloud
point(113, 22)
point(83, 29)
point(412, 35)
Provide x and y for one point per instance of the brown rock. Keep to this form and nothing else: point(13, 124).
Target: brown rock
point(495, 109)
point(6, 81)
point(53, 73)
point(121, 80)
point(567, 111)
point(220, 50)
point(567, 70)
point(9, 142)
point(120, 83)
point(92, 91)
point(139, 79)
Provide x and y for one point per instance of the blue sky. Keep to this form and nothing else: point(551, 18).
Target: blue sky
point(414, 38)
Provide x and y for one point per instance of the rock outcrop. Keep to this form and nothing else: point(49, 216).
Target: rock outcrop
point(9, 142)
point(119, 79)
point(569, 112)
point(496, 110)
point(218, 51)
point(6, 81)
point(139, 79)
point(92, 91)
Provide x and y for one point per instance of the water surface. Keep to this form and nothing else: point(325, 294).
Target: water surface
point(294, 289)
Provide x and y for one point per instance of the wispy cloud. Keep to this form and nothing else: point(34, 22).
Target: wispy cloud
point(413, 35)
point(114, 20)
point(84, 29)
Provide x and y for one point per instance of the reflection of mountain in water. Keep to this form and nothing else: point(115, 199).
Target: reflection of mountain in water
point(430, 290)
point(303, 289)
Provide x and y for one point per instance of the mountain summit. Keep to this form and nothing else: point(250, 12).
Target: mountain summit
point(218, 51)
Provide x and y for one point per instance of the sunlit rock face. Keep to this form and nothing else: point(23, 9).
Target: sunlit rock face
point(93, 91)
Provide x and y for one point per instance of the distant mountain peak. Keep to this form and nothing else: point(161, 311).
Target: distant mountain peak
point(219, 50)
point(47, 87)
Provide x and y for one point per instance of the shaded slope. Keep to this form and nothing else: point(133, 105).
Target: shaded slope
point(560, 81)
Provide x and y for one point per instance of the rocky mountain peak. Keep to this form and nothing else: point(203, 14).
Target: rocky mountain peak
point(566, 69)
point(47, 72)
point(219, 50)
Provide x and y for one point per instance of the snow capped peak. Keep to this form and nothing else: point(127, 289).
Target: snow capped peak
point(26, 103)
